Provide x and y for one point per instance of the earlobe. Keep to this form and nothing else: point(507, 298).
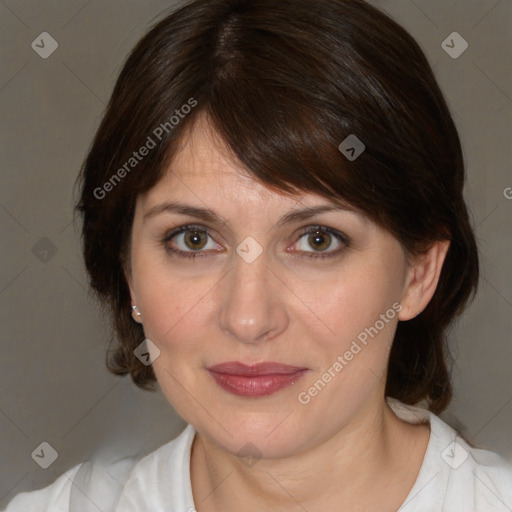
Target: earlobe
point(422, 280)
point(136, 314)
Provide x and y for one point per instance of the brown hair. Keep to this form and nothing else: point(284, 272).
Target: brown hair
point(284, 83)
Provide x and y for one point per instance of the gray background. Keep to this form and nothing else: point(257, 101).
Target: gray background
point(55, 387)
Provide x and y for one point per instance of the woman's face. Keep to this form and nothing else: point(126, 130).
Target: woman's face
point(318, 294)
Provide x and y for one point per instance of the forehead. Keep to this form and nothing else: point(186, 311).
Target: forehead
point(204, 169)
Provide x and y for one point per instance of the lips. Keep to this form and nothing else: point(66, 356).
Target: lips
point(256, 380)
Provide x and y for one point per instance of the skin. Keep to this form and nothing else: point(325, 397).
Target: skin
point(345, 449)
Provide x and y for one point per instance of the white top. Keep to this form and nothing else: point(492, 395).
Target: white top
point(454, 477)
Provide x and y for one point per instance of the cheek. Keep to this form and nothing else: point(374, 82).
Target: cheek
point(352, 300)
point(168, 316)
point(361, 311)
point(173, 309)
point(330, 308)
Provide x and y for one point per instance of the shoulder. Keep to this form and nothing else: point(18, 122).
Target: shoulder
point(117, 485)
point(482, 475)
point(455, 475)
point(54, 498)
point(162, 478)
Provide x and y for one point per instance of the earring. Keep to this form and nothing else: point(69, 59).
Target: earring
point(134, 310)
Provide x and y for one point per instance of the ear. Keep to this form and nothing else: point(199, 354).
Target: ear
point(422, 279)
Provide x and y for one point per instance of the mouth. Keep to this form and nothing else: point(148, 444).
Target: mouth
point(256, 380)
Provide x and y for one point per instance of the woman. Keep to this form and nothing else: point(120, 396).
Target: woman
point(273, 212)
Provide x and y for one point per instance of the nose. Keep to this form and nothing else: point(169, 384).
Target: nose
point(252, 305)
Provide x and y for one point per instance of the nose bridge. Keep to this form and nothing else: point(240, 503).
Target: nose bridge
point(250, 310)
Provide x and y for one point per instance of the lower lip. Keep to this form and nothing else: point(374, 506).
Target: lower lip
point(255, 385)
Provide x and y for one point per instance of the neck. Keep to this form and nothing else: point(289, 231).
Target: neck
point(375, 457)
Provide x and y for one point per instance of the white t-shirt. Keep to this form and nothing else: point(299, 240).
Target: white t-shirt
point(454, 477)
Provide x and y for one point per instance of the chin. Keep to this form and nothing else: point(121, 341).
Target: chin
point(257, 435)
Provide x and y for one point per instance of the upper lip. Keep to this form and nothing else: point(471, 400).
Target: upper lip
point(267, 368)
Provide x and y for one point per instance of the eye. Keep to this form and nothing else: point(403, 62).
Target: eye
point(194, 241)
point(189, 242)
point(324, 241)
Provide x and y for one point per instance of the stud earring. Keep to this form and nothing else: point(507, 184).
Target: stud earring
point(134, 310)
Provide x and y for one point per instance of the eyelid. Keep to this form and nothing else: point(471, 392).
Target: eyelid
point(171, 233)
point(342, 237)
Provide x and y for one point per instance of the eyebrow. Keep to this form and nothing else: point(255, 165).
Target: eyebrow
point(184, 209)
point(208, 215)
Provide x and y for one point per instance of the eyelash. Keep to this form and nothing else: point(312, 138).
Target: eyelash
point(307, 231)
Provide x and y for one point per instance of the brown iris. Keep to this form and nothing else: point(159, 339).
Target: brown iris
point(319, 240)
point(195, 240)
